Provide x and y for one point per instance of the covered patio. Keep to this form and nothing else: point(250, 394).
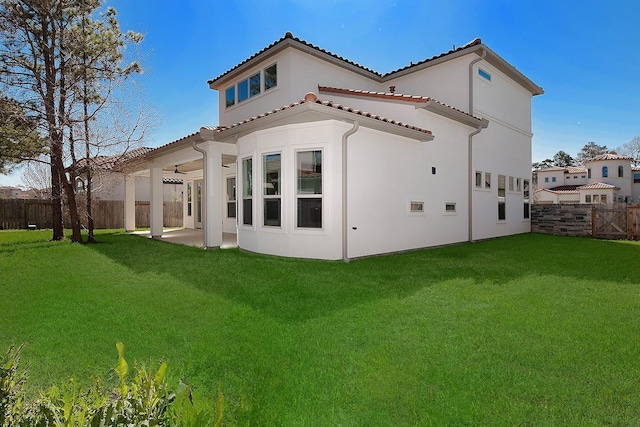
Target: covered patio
point(207, 168)
point(189, 237)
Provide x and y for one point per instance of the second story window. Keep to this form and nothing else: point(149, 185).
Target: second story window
point(485, 75)
point(243, 90)
point(230, 96)
point(252, 86)
point(620, 171)
point(605, 171)
point(271, 77)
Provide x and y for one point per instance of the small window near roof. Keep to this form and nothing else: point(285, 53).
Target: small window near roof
point(243, 90)
point(254, 85)
point(482, 73)
point(417, 207)
point(270, 77)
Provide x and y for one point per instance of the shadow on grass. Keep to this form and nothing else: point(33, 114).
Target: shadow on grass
point(296, 290)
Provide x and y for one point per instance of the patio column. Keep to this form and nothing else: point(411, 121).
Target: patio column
point(213, 195)
point(129, 202)
point(156, 208)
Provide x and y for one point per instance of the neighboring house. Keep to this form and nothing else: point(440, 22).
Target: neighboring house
point(19, 193)
point(11, 193)
point(607, 178)
point(316, 156)
point(107, 178)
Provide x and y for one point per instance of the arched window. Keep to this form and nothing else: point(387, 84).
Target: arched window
point(620, 171)
point(605, 171)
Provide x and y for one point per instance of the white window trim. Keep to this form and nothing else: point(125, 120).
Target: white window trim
point(263, 197)
point(450, 213)
point(247, 76)
point(240, 198)
point(487, 72)
point(296, 196)
point(410, 203)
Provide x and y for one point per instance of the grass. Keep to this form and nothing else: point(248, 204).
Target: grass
point(523, 330)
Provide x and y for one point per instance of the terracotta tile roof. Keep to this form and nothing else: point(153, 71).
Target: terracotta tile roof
point(475, 42)
point(555, 191)
point(388, 95)
point(576, 169)
point(565, 188)
point(110, 162)
point(290, 36)
point(552, 169)
point(598, 186)
point(635, 168)
point(312, 98)
point(609, 156)
point(309, 98)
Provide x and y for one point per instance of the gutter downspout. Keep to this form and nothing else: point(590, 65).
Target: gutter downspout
point(345, 234)
point(470, 146)
point(204, 185)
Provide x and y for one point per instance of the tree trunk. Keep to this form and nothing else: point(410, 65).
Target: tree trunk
point(56, 201)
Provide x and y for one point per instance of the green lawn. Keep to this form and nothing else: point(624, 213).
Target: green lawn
point(524, 330)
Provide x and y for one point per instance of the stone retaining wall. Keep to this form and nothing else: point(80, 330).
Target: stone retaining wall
point(561, 220)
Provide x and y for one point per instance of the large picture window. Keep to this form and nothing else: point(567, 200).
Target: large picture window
point(309, 189)
point(247, 191)
point(272, 192)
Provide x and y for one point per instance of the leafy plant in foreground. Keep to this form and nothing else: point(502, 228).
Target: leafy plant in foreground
point(146, 401)
point(11, 387)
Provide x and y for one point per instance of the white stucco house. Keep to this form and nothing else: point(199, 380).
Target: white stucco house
point(607, 178)
point(316, 156)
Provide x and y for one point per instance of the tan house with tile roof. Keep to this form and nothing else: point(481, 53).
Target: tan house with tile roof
point(316, 156)
point(607, 178)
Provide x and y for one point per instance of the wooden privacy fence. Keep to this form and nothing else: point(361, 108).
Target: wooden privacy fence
point(615, 222)
point(19, 214)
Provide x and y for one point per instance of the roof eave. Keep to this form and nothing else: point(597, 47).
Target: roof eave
point(232, 74)
point(453, 114)
point(323, 112)
point(491, 57)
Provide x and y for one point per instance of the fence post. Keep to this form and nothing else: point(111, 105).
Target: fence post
point(593, 221)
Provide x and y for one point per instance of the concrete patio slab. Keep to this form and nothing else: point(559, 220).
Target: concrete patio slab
point(184, 236)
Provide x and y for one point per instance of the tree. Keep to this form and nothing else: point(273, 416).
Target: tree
point(589, 151)
point(48, 63)
point(542, 165)
point(19, 137)
point(632, 149)
point(562, 159)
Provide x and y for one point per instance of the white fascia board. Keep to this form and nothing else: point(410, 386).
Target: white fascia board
point(453, 114)
point(310, 112)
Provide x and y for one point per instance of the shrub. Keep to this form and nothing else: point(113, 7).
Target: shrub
point(11, 387)
point(146, 401)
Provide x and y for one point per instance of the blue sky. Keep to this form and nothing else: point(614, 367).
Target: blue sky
point(585, 54)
